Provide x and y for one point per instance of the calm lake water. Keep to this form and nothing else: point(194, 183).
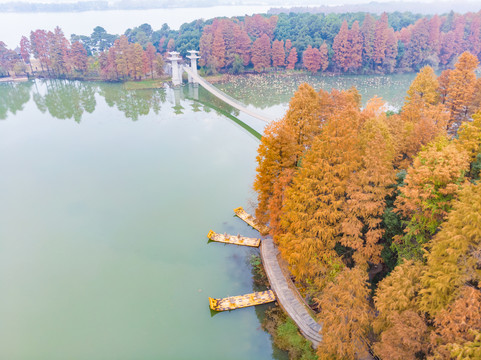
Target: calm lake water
point(15, 25)
point(106, 199)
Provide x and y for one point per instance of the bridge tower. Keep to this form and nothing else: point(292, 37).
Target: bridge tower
point(176, 72)
point(193, 64)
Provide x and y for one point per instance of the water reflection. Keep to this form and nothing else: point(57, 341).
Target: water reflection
point(66, 99)
point(177, 106)
point(13, 96)
point(133, 103)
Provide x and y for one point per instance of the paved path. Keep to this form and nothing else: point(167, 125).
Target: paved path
point(212, 89)
point(287, 299)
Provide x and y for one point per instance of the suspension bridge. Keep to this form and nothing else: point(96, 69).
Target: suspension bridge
point(194, 77)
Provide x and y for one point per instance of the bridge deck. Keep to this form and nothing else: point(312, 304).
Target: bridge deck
point(212, 89)
point(287, 299)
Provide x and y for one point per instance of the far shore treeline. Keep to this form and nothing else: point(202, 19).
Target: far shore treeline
point(338, 43)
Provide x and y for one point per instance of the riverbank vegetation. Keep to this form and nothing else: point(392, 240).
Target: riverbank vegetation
point(379, 214)
point(360, 43)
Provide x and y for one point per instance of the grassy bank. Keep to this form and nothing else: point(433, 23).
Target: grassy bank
point(144, 84)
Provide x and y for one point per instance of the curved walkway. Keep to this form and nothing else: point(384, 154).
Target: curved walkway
point(288, 301)
point(212, 89)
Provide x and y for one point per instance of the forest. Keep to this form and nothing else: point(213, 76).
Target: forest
point(378, 215)
point(359, 43)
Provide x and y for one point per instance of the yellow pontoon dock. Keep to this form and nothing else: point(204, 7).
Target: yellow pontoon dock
point(251, 220)
point(241, 301)
point(232, 239)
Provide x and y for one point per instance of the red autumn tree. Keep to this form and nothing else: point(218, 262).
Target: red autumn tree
point(39, 43)
point(218, 50)
point(171, 45)
point(434, 39)
point(243, 46)
point(136, 61)
point(341, 48)
point(121, 52)
point(448, 49)
point(474, 36)
point(278, 54)
point(205, 47)
point(311, 59)
point(292, 59)
point(25, 51)
point(150, 55)
point(368, 31)
point(257, 25)
point(78, 57)
point(261, 53)
point(355, 43)
point(324, 53)
point(58, 48)
point(380, 39)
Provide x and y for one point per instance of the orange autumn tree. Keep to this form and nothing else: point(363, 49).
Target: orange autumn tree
point(469, 137)
point(312, 211)
point(397, 293)
point(431, 184)
point(454, 253)
point(458, 323)
point(367, 190)
point(424, 87)
point(400, 323)
point(422, 118)
point(281, 148)
point(345, 316)
point(460, 89)
point(406, 339)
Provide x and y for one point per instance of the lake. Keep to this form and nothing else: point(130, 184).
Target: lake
point(107, 196)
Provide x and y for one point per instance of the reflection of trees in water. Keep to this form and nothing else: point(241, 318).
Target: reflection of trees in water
point(132, 103)
point(13, 96)
point(67, 99)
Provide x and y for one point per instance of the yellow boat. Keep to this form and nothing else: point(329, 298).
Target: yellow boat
point(232, 239)
point(251, 220)
point(241, 301)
